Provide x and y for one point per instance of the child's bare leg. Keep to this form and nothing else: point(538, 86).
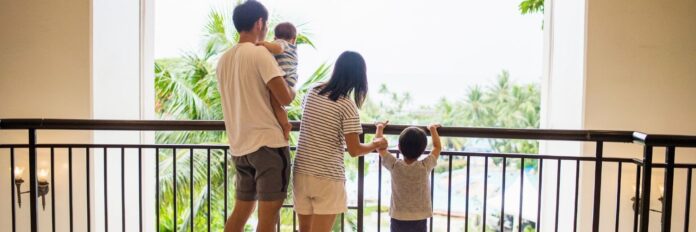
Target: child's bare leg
point(281, 116)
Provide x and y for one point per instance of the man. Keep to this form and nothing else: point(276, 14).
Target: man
point(248, 77)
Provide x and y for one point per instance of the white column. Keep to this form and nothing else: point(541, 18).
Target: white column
point(123, 82)
point(562, 108)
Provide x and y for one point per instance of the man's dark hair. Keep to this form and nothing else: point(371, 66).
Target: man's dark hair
point(412, 142)
point(285, 31)
point(349, 76)
point(247, 13)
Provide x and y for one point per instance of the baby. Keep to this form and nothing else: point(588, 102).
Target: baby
point(410, 200)
point(285, 51)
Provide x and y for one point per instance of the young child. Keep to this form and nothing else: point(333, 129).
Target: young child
point(410, 200)
point(285, 51)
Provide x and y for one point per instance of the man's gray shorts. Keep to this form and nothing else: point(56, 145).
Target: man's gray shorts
point(263, 175)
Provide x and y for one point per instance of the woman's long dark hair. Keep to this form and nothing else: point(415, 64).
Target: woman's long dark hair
point(349, 75)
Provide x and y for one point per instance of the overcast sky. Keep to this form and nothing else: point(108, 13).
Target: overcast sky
point(433, 48)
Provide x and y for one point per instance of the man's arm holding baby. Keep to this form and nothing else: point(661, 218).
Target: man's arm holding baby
point(280, 91)
point(274, 48)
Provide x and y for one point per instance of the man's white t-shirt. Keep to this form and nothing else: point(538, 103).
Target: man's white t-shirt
point(242, 73)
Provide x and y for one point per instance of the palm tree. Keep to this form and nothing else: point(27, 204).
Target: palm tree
point(186, 89)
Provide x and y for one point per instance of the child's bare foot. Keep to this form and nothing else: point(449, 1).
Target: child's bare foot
point(286, 130)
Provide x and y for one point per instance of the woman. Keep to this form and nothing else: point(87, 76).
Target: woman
point(330, 122)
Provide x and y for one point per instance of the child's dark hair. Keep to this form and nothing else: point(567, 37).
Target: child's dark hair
point(349, 75)
point(412, 142)
point(248, 13)
point(285, 31)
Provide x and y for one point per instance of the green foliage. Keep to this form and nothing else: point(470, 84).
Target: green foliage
point(502, 104)
point(531, 6)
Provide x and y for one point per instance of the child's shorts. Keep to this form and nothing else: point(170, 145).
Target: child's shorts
point(316, 195)
point(409, 226)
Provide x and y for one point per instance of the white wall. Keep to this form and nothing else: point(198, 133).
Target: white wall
point(45, 72)
point(618, 65)
point(60, 60)
point(641, 75)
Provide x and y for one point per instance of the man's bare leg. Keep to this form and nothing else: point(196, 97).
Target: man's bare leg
point(241, 213)
point(269, 213)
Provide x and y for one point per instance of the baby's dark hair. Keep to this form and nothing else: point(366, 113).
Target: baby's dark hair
point(285, 31)
point(412, 142)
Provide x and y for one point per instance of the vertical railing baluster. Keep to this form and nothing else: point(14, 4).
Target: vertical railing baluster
point(33, 185)
point(558, 192)
point(70, 188)
point(687, 209)
point(192, 219)
point(597, 185)
point(343, 221)
point(361, 187)
point(636, 199)
point(449, 192)
point(485, 191)
point(224, 164)
point(53, 191)
point(466, 203)
point(174, 188)
point(541, 178)
point(502, 204)
point(294, 221)
point(106, 193)
point(668, 189)
point(379, 193)
point(123, 189)
point(647, 183)
point(577, 188)
point(12, 186)
point(208, 192)
point(618, 197)
point(157, 188)
point(432, 196)
point(140, 188)
point(278, 223)
point(519, 217)
point(89, 206)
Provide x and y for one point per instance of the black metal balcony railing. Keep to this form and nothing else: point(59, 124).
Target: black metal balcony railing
point(643, 175)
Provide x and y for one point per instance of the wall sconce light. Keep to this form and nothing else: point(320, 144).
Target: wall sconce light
point(42, 188)
point(636, 200)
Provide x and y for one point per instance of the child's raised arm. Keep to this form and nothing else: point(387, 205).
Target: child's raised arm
point(380, 134)
point(274, 48)
point(437, 146)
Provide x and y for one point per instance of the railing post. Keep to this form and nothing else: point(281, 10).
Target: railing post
point(33, 185)
point(599, 154)
point(645, 188)
point(361, 187)
point(669, 189)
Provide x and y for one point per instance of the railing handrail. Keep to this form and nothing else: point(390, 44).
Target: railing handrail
point(468, 132)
